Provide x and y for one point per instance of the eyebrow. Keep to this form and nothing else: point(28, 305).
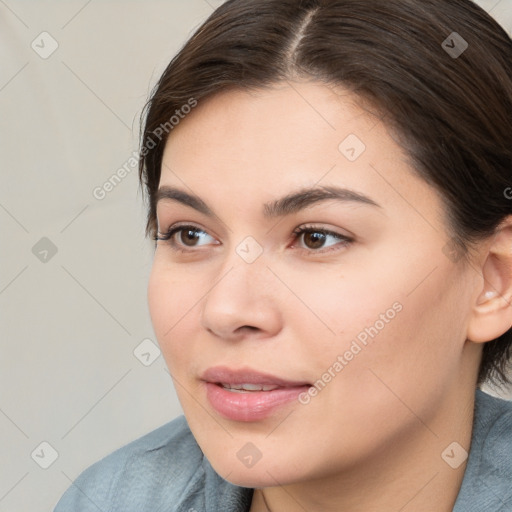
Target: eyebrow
point(287, 205)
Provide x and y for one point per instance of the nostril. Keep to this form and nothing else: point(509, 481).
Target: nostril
point(249, 327)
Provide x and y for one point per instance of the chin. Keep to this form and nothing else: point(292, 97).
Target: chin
point(254, 477)
point(268, 471)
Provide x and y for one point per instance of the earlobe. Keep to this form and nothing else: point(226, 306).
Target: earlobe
point(492, 311)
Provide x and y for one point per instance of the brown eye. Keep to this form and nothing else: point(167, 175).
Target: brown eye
point(314, 239)
point(189, 237)
point(186, 236)
point(317, 240)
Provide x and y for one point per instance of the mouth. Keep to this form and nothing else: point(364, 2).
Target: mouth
point(247, 388)
point(247, 395)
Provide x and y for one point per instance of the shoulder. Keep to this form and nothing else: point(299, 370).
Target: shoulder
point(493, 433)
point(495, 429)
point(163, 470)
point(486, 484)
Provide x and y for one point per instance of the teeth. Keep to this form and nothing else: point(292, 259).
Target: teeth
point(244, 388)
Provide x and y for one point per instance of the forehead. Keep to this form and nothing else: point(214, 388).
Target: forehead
point(255, 145)
point(273, 122)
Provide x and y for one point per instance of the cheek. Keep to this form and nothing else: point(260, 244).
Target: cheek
point(402, 321)
point(333, 309)
point(394, 352)
point(172, 297)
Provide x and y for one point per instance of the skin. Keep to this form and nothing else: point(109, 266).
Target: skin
point(372, 438)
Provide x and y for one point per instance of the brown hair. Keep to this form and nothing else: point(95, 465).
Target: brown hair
point(450, 105)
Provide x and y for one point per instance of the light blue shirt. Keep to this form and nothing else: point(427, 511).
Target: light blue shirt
point(165, 471)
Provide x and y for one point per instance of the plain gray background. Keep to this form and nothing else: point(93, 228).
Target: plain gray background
point(74, 268)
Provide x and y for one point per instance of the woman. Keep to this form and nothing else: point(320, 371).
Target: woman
point(329, 188)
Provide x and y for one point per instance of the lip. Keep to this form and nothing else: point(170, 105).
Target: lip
point(253, 405)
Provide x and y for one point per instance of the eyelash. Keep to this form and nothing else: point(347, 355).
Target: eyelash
point(345, 240)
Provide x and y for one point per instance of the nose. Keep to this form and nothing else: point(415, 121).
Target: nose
point(242, 302)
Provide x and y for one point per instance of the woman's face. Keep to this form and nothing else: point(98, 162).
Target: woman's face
point(356, 327)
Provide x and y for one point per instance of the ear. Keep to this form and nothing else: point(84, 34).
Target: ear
point(492, 312)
